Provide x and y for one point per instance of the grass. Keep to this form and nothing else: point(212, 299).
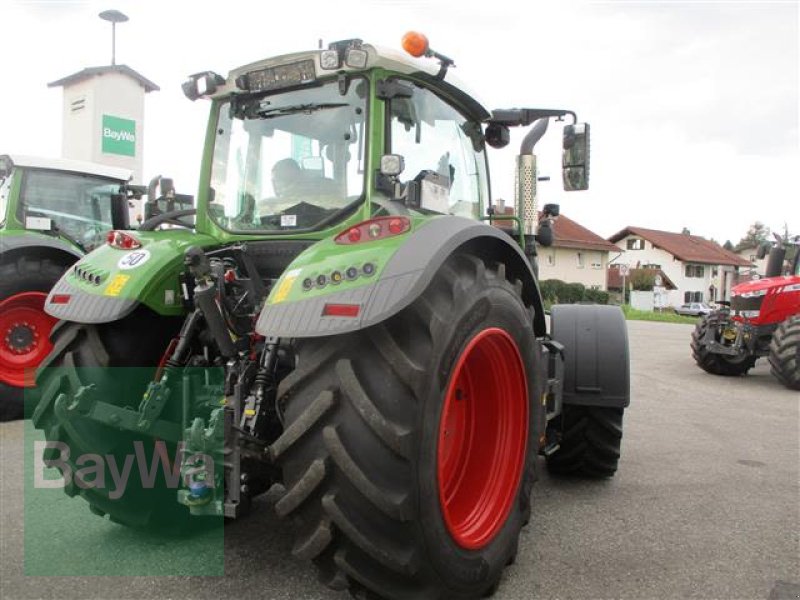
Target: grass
point(665, 317)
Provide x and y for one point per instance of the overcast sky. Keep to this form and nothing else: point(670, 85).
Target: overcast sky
point(693, 105)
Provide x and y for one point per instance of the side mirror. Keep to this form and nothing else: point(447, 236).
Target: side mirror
point(575, 157)
point(6, 166)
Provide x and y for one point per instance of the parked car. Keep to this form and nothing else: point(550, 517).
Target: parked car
point(694, 309)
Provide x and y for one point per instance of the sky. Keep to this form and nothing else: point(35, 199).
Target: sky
point(693, 106)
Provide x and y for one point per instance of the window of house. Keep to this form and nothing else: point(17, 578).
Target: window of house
point(715, 271)
point(651, 266)
point(635, 244)
point(694, 271)
point(579, 259)
point(551, 259)
point(692, 297)
point(753, 258)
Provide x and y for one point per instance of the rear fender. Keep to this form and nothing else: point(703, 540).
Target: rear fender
point(403, 266)
point(108, 284)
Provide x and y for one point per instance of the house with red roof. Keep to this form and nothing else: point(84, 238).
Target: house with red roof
point(700, 269)
point(577, 255)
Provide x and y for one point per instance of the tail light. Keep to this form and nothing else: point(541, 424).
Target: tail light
point(375, 229)
point(341, 310)
point(122, 240)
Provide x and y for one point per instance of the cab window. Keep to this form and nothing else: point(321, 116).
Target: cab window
point(431, 135)
point(77, 205)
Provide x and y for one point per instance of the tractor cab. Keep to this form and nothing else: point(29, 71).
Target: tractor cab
point(72, 201)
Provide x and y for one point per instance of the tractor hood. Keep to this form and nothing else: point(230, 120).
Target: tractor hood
point(109, 283)
point(759, 287)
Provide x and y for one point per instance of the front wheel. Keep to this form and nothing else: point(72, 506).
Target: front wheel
point(409, 448)
point(712, 362)
point(784, 353)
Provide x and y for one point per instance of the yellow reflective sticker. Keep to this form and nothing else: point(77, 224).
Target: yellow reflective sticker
point(115, 286)
point(285, 286)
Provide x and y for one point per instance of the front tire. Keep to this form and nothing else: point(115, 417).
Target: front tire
point(391, 494)
point(784, 353)
point(711, 362)
point(590, 442)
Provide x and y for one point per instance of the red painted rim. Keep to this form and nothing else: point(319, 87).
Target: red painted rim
point(24, 337)
point(483, 436)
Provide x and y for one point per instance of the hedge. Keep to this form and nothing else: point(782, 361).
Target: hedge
point(555, 291)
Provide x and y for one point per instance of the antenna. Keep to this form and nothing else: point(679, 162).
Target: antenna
point(114, 17)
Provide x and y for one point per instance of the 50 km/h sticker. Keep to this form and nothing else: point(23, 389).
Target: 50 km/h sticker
point(133, 259)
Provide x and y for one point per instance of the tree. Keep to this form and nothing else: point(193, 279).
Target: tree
point(642, 281)
point(728, 245)
point(755, 236)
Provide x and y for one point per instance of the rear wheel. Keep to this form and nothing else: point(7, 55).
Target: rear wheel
point(24, 327)
point(712, 362)
point(784, 353)
point(86, 355)
point(409, 448)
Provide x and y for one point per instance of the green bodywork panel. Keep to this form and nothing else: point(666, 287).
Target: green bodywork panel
point(328, 257)
point(153, 280)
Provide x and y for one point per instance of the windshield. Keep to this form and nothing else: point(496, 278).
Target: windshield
point(78, 206)
point(289, 161)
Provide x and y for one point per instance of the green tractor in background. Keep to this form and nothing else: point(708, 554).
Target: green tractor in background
point(52, 212)
point(344, 327)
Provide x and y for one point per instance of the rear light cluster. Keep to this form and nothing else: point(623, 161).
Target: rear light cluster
point(378, 228)
point(122, 240)
point(336, 277)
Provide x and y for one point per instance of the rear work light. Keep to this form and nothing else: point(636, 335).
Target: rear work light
point(378, 228)
point(122, 240)
point(60, 298)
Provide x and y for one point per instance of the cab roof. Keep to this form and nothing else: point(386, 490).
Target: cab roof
point(73, 166)
point(377, 57)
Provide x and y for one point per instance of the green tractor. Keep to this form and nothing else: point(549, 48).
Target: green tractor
point(344, 327)
point(52, 212)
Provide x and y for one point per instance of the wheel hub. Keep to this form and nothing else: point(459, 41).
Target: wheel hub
point(483, 433)
point(21, 338)
point(24, 337)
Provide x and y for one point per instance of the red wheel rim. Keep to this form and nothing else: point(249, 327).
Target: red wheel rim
point(483, 436)
point(24, 337)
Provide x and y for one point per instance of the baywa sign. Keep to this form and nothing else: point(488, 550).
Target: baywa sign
point(119, 136)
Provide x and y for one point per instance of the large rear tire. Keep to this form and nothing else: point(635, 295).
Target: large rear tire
point(714, 363)
point(409, 448)
point(784, 353)
point(24, 327)
point(86, 355)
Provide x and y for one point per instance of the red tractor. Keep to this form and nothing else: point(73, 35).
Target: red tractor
point(762, 319)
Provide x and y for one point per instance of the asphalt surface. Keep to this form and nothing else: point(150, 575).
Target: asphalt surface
point(706, 504)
